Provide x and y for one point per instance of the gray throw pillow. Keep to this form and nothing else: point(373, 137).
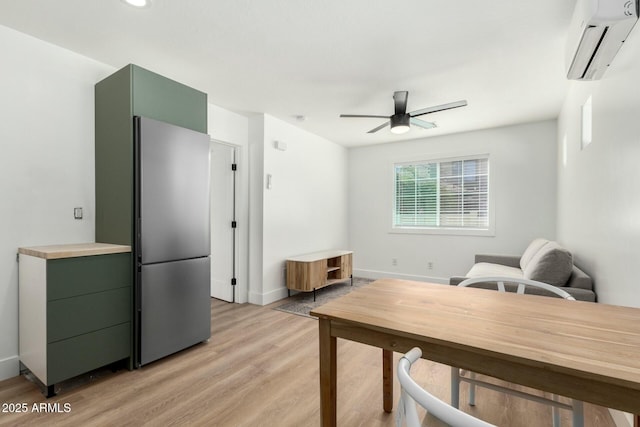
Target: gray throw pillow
point(530, 252)
point(552, 264)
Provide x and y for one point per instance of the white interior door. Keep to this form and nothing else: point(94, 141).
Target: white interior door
point(222, 215)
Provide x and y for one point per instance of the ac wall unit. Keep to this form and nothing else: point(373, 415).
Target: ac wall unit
point(598, 29)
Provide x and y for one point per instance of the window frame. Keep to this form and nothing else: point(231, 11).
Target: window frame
point(443, 158)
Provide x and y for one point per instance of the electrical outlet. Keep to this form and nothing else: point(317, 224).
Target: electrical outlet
point(430, 265)
point(394, 261)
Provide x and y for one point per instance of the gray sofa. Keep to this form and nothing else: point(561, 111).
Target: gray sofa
point(543, 260)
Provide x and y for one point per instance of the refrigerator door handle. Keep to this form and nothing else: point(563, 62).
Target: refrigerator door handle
point(139, 241)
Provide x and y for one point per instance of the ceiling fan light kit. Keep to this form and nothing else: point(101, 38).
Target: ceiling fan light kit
point(401, 121)
point(140, 4)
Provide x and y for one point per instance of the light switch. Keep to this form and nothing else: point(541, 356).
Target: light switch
point(77, 213)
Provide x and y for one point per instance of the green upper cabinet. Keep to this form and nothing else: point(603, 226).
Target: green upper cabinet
point(133, 91)
point(162, 99)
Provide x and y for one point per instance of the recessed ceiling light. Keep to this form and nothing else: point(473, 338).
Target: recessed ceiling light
point(138, 3)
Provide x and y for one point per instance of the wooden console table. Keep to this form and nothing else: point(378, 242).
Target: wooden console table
point(309, 272)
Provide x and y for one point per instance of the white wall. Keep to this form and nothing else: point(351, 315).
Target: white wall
point(304, 211)
point(46, 166)
point(523, 176)
point(599, 187)
point(256, 206)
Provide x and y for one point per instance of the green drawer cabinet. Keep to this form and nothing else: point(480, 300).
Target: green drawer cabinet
point(75, 309)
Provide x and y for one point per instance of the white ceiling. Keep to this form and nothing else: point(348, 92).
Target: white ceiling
point(320, 58)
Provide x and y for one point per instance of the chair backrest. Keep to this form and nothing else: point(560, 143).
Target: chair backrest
point(411, 393)
point(522, 284)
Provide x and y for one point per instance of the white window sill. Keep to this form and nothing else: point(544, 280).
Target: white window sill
point(443, 231)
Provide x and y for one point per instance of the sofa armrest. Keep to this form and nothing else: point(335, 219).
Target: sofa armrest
point(508, 260)
point(579, 279)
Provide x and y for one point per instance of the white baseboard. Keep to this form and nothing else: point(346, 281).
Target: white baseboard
point(374, 274)
point(9, 367)
point(255, 298)
point(621, 419)
point(281, 293)
point(267, 297)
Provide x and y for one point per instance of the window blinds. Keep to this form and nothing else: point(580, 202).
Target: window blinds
point(442, 194)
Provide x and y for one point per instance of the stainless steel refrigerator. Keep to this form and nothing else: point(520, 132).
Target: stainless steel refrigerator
point(173, 309)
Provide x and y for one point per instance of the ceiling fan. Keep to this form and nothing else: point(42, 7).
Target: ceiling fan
point(401, 120)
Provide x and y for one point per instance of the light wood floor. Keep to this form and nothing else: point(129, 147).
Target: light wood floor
point(260, 368)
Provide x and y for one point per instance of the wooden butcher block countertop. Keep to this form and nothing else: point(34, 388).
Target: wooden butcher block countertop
point(73, 250)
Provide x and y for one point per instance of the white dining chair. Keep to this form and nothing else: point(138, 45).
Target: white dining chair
point(411, 394)
point(458, 375)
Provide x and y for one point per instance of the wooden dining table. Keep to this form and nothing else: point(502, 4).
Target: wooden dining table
point(582, 350)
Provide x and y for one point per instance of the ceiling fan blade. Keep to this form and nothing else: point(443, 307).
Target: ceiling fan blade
point(423, 124)
point(438, 108)
point(385, 124)
point(364, 115)
point(400, 101)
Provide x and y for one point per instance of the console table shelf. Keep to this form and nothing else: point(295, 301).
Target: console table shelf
point(306, 273)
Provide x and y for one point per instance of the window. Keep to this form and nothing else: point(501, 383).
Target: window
point(442, 194)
